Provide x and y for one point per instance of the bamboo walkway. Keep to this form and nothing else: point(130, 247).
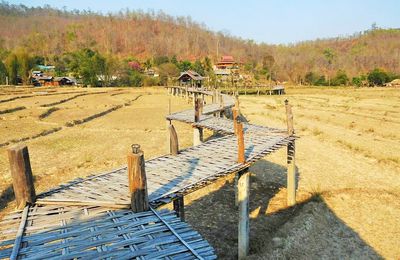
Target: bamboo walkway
point(90, 218)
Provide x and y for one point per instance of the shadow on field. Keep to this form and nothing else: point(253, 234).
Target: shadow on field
point(7, 195)
point(308, 230)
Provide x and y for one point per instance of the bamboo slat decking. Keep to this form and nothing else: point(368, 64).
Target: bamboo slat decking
point(167, 175)
point(90, 218)
point(94, 232)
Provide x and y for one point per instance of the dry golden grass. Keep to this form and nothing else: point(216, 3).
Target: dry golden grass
point(347, 158)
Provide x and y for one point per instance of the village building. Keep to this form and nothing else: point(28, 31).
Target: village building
point(226, 67)
point(64, 81)
point(277, 90)
point(191, 78)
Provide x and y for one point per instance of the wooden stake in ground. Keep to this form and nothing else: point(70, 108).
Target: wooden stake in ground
point(291, 166)
point(137, 180)
point(21, 174)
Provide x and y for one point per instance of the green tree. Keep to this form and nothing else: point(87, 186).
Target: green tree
point(310, 78)
point(329, 57)
point(130, 77)
point(90, 66)
point(174, 60)
point(3, 73)
point(185, 65)
point(340, 78)
point(208, 66)
point(167, 71)
point(25, 64)
point(198, 67)
point(12, 68)
point(378, 77)
point(160, 60)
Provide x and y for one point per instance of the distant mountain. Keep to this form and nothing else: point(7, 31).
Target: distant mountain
point(50, 32)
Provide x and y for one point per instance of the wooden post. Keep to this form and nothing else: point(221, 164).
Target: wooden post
point(291, 165)
point(174, 145)
point(197, 131)
point(168, 135)
point(244, 227)
point(235, 117)
point(179, 206)
point(21, 174)
point(197, 110)
point(221, 104)
point(194, 96)
point(187, 93)
point(240, 139)
point(137, 180)
point(214, 96)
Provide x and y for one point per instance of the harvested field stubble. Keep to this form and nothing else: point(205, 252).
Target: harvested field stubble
point(347, 162)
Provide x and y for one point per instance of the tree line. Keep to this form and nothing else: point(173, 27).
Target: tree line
point(61, 37)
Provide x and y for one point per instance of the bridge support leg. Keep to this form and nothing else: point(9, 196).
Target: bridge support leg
point(291, 166)
point(179, 206)
point(197, 135)
point(291, 174)
point(244, 227)
point(187, 94)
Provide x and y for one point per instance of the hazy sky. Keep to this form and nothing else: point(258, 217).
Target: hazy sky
point(270, 21)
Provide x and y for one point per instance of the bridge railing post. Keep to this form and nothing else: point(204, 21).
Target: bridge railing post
point(137, 180)
point(21, 173)
point(197, 131)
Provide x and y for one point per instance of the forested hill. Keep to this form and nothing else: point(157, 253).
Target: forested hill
point(141, 35)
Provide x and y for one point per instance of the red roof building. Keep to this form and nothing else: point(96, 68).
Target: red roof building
point(226, 62)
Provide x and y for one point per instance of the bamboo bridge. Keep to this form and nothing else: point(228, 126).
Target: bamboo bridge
point(115, 215)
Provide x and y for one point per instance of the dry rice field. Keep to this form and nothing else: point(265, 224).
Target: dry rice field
point(348, 163)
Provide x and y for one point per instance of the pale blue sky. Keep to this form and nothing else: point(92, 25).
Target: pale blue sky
point(270, 21)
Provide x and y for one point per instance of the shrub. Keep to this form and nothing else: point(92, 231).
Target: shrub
point(340, 79)
point(151, 81)
point(378, 77)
